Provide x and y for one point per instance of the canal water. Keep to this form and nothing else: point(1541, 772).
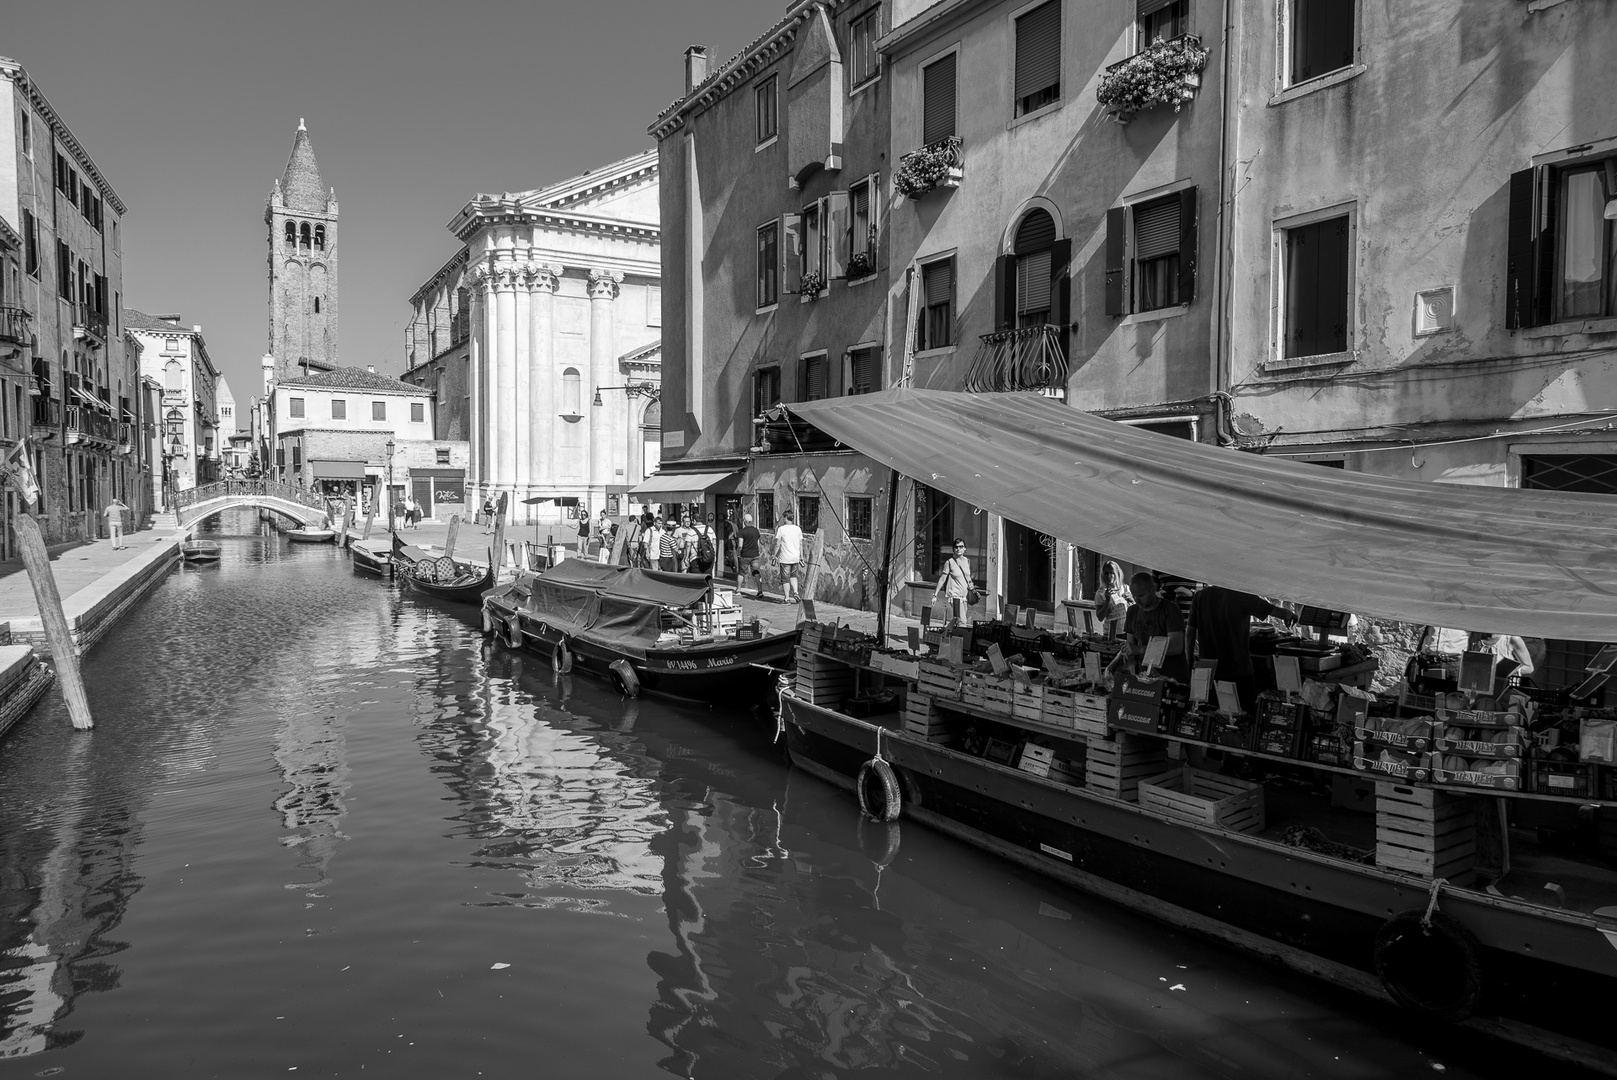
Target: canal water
point(324, 827)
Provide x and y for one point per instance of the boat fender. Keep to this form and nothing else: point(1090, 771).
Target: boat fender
point(561, 658)
point(513, 631)
point(878, 790)
point(628, 683)
point(1430, 964)
point(488, 621)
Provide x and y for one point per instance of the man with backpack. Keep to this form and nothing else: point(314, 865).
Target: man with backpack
point(706, 547)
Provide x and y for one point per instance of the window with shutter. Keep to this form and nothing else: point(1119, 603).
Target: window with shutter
point(765, 103)
point(1156, 254)
point(813, 240)
point(1033, 288)
point(1584, 256)
point(814, 377)
point(765, 390)
point(861, 225)
point(864, 371)
point(862, 34)
point(1321, 37)
point(1161, 20)
point(1038, 57)
point(936, 329)
point(1316, 284)
point(768, 264)
point(938, 100)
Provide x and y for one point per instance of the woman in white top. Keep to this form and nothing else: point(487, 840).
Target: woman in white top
point(954, 584)
point(1112, 599)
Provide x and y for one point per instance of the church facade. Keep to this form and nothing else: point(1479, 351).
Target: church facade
point(538, 340)
point(302, 219)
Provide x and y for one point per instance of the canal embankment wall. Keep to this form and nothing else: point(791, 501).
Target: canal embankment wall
point(98, 585)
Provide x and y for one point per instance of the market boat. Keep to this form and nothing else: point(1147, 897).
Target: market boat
point(308, 535)
point(440, 575)
point(1433, 893)
point(200, 550)
point(675, 634)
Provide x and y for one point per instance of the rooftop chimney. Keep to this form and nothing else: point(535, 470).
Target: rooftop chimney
point(371, 368)
point(196, 328)
point(695, 66)
point(173, 318)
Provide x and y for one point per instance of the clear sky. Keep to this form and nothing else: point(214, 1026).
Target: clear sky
point(189, 109)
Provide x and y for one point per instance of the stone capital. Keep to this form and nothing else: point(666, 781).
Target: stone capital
point(542, 276)
point(478, 278)
point(604, 284)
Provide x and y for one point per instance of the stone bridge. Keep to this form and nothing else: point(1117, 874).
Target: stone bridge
point(304, 506)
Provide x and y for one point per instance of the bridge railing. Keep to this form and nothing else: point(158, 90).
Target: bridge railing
point(226, 489)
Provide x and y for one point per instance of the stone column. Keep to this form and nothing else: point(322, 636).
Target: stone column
point(476, 350)
point(544, 279)
point(603, 372)
point(490, 369)
point(524, 423)
point(505, 355)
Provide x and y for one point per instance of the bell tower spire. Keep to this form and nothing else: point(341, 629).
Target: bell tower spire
point(302, 219)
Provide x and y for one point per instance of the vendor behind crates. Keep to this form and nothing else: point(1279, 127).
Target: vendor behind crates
point(1153, 616)
point(1220, 629)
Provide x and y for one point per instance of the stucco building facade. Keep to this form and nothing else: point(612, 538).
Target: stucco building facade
point(175, 356)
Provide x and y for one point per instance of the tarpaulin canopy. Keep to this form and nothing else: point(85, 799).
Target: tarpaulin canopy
point(619, 606)
point(678, 487)
point(1495, 560)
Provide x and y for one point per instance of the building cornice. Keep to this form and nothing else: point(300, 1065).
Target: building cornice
point(450, 269)
point(507, 210)
point(739, 69)
point(15, 72)
point(931, 21)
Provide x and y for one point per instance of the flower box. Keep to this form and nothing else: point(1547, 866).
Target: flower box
point(940, 164)
point(1162, 73)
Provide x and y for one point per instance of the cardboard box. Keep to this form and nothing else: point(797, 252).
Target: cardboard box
point(1135, 704)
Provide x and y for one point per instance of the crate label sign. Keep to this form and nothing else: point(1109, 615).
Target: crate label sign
point(915, 639)
point(1092, 666)
point(1228, 698)
point(1201, 680)
point(1288, 674)
point(996, 660)
point(1476, 672)
point(1156, 651)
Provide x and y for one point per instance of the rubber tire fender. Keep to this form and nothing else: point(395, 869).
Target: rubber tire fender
point(878, 790)
point(488, 620)
point(1433, 971)
point(513, 631)
point(624, 677)
point(561, 658)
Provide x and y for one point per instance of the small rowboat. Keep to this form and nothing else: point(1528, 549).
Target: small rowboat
point(200, 550)
point(370, 560)
point(311, 536)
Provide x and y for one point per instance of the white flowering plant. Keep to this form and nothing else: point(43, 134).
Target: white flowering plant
point(1163, 73)
point(924, 169)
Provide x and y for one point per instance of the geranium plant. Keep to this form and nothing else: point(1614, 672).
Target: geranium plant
point(923, 170)
point(1163, 73)
point(812, 284)
point(861, 264)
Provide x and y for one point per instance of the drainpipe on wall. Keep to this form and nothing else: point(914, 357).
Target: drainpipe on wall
point(1219, 381)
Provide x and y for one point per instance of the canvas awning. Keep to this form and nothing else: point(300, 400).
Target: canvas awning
point(1496, 560)
point(678, 487)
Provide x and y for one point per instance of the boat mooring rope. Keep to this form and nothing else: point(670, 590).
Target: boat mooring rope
point(1431, 904)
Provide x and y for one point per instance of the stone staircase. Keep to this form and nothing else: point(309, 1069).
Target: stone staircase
point(165, 522)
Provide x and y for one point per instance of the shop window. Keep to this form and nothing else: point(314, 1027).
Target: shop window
point(860, 517)
point(765, 389)
point(813, 379)
point(1038, 58)
point(1320, 37)
point(1161, 20)
point(1315, 280)
point(378, 410)
point(766, 510)
point(939, 520)
point(862, 35)
point(339, 408)
point(418, 412)
point(294, 408)
point(766, 101)
point(938, 100)
point(864, 370)
point(768, 264)
point(936, 327)
point(808, 513)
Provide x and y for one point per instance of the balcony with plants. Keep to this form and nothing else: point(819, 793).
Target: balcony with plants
point(1163, 73)
point(941, 164)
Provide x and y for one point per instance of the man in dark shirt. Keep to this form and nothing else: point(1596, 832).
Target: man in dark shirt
point(1154, 616)
point(747, 558)
point(1220, 628)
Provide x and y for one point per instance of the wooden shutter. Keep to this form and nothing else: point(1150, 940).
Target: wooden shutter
point(862, 371)
point(837, 236)
point(791, 253)
point(938, 100)
point(1521, 251)
point(937, 280)
point(1033, 284)
point(813, 378)
point(860, 222)
point(1116, 252)
point(1004, 291)
point(1321, 37)
point(1544, 246)
point(1038, 49)
point(1147, 7)
point(1061, 283)
point(1187, 245)
point(1156, 229)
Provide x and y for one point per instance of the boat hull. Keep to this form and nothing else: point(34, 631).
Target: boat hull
point(311, 536)
point(1545, 970)
point(459, 594)
point(371, 562)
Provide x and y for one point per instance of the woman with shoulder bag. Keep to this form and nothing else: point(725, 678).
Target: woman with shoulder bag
point(954, 584)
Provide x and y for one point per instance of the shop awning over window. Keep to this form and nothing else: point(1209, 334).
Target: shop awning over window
point(678, 487)
point(1497, 560)
point(337, 470)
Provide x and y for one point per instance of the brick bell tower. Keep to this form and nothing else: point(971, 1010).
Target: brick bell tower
point(302, 220)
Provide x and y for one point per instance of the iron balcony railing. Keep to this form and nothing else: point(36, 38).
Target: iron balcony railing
point(14, 323)
point(92, 320)
point(228, 488)
point(47, 412)
point(90, 424)
point(1031, 358)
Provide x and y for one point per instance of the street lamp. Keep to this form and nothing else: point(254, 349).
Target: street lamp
point(638, 389)
point(388, 494)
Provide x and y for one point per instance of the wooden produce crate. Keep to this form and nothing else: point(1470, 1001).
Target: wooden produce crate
point(1425, 831)
point(996, 694)
point(938, 680)
point(1089, 711)
point(921, 717)
point(1067, 771)
point(810, 636)
point(1058, 707)
point(821, 680)
point(1027, 701)
point(1114, 767)
point(1206, 799)
point(1036, 759)
point(903, 668)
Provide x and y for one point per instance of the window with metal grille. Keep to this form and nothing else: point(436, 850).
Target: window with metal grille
point(766, 510)
point(814, 383)
point(339, 408)
point(1595, 473)
point(441, 455)
point(764, 97)
point(768, 264)
point(1161, 20)
point(1038, 58)
point(1316, 284)
point(378, 410)
point(1321, 37)
point(859, 517)
point(765, 390)
point(862, 35)
point(936, 327)
point(1156, 254)
point(938, 100)
point(864, 370)
point(808, 513)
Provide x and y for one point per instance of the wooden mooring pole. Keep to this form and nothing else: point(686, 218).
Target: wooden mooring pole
point(31, 545)
point(454, 534)
point(496, 557)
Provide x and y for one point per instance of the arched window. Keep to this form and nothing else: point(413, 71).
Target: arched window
point(572, 397)
point(320, 237)
point(1035, 238)
point(173, 376)
point(291, 235)
point(303, 234)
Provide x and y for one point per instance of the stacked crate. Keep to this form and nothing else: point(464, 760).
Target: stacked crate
point(939, 680)
point(1424, 831)
point(821, 680)
point(921, 717)
point(1114, 767)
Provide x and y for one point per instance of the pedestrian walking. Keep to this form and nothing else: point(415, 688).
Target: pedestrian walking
point(114, 514)
point(488, 514)
point(685, 537)
point(747, 556)
point(706, 548)
point(789, 553)
point(668, 548)
point(954, 585)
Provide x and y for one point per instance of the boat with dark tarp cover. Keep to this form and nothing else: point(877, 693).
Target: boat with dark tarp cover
point(677, 634)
